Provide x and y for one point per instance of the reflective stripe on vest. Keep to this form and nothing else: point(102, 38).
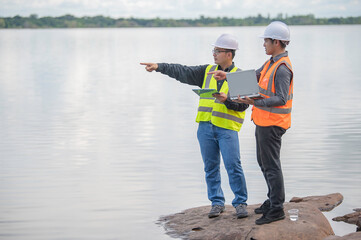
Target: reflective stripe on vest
point(210, 109)
point(273, 116)
point(209, 77)
point(205, 109)
point(227, 116)
point(276, 110)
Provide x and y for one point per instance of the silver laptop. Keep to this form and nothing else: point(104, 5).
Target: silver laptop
point(243, 83)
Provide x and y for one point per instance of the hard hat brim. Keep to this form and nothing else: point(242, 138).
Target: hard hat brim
point(274, 37)
point(215, 45)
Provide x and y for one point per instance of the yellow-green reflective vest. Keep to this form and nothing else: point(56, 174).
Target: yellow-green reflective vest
point(210, 109)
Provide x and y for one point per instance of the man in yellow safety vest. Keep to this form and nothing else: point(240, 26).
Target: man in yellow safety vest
point(219, 122)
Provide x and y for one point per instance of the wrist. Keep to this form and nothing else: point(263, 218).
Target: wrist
point(158, 67)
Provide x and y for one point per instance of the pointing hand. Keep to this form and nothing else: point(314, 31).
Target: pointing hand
point(150, 67)
point(218, 75)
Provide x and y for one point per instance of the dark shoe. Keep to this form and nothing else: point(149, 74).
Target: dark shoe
point(274, 214)
point(215, 211)
point(264, 207)
point(241, 210)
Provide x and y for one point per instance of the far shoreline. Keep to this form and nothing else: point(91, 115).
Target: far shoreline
point(70, 21)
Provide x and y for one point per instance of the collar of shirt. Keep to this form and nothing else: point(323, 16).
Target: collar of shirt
point(227, 69)
point(276, 58)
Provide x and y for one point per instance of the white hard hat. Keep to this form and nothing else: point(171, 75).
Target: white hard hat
point(226, 41)
point(277, 30)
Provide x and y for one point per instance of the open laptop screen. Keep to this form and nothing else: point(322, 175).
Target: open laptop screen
point(243, 83)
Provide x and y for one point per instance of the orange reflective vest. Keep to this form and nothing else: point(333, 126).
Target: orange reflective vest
point(273, 116)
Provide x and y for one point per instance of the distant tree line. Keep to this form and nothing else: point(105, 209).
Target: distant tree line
point(70, 21)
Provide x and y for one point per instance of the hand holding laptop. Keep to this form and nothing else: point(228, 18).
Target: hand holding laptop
point(245, 100)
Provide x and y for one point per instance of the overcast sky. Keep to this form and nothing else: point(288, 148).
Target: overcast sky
point(180, 8)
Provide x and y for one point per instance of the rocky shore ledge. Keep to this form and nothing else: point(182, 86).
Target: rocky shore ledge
point(194, 224)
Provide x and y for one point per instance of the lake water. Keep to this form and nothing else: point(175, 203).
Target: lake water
point(94, 147)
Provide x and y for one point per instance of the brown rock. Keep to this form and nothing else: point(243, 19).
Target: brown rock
point(324, 203)
point(351, 218)
point(194, 224)
point(351, 236)
point(332, 238)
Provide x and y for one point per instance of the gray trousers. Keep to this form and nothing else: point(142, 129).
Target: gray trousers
point(268, 142)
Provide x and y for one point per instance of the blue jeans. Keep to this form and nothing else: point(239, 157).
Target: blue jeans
point(214, 140)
